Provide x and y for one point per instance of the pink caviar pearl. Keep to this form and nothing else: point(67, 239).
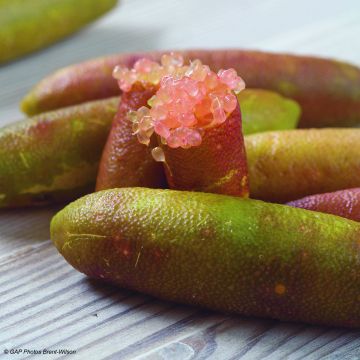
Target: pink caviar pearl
point(230, 102)
point(158, 154)
point(161, 129)
point(218, 111)
point(172, 60)
point(145, 65)
point(193, 138)
point(230, 78)
point(173, 141)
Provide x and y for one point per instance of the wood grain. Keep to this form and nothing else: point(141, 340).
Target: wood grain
point(44, 303)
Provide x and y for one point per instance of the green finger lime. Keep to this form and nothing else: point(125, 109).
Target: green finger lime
point(224, 253)
point(53, 156)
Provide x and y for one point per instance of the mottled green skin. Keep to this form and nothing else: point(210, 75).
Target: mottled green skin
point(264, 110)
point(224, 253)
point(53, 156)
point(26, 26)
point(288, 165)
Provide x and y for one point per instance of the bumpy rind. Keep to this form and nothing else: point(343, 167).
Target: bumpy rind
point(53, 156)
point(288, 165)
point(228, 254)
point(124, 161)
point(218, 165)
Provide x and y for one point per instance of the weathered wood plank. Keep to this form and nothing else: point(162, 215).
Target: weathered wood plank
point(23, 227)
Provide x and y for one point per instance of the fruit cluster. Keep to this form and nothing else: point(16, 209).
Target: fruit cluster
point(222, 250)
point(189, 98)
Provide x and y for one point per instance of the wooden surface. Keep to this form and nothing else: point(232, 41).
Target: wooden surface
point(45, 304)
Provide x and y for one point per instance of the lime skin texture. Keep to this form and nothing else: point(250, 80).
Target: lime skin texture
point(224, 253)
point(288, 165)
point(124, 161)
point(264, 110)
point(53, 157)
